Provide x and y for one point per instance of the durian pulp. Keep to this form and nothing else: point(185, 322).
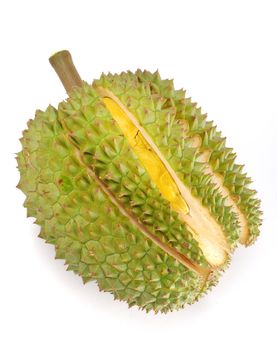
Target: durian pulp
point(149, 159)
point(201, 224)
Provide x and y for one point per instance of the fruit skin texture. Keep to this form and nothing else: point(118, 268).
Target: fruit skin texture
point(70, 154)
point(130, 87)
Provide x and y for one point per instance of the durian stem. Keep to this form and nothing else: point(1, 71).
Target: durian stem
point(62, 63)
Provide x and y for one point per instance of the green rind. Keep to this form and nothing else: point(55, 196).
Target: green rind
point(88, 231)
point(96, 240)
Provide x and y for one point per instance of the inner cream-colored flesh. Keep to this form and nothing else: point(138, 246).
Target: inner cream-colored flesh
point(202, 225)
point(218, 180)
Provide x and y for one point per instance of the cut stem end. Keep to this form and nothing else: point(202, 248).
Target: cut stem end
point(63, 65)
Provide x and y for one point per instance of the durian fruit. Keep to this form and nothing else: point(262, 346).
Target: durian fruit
point(135, 188)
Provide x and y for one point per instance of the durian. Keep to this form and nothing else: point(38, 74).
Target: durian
point(136, 188)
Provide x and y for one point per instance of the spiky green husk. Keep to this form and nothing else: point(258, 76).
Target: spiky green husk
point(65, 150)
point(161, 110)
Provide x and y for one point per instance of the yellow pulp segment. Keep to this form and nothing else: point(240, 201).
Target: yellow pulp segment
point(149, 159)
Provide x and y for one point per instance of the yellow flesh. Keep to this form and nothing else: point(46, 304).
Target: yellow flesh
point(149, 159)
point(202, 225)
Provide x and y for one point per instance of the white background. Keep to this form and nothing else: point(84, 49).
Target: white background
point(224, 54)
